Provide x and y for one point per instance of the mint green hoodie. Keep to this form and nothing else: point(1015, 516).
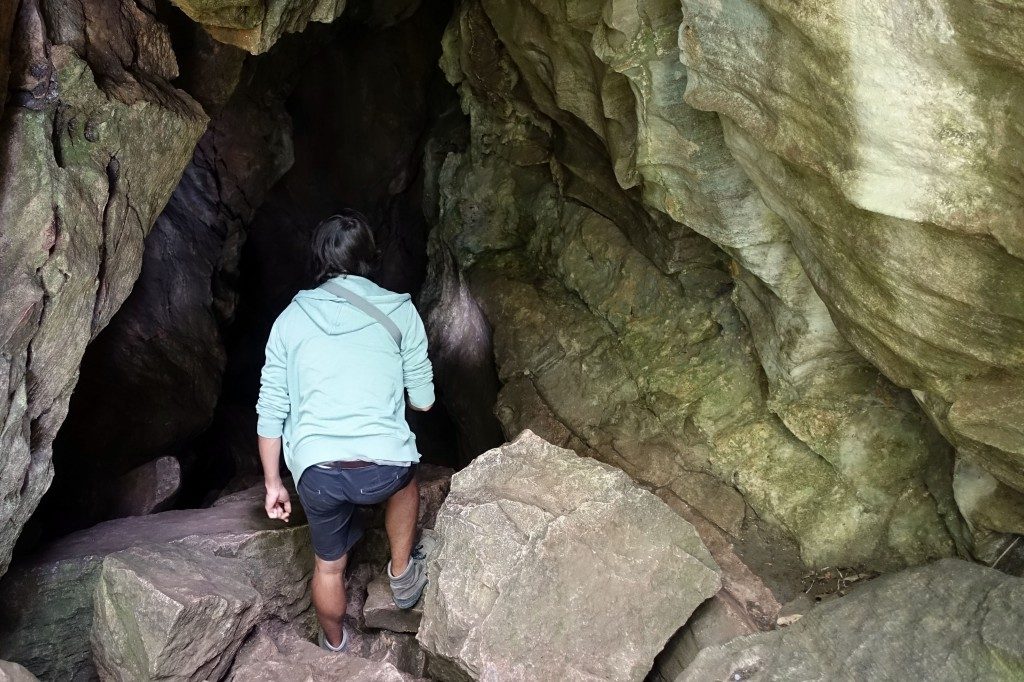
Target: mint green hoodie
point(334, 383)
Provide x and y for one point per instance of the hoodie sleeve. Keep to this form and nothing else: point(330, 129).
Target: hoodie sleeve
point(273, 404)
point(419, 375)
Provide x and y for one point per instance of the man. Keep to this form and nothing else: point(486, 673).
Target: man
point(339, 362)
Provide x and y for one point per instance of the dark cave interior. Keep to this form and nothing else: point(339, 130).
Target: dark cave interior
point(337, 117)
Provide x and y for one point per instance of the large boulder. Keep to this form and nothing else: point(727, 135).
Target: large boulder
point(555, 566)
point(951, 620)
point(170, 612)
point(48, 599)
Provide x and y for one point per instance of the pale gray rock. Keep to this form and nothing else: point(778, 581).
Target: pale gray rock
point(276, 654)
point(12, 672)
point(950, 620)
point(542, 561)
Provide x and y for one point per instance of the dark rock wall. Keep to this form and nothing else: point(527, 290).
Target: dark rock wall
point(360, 101)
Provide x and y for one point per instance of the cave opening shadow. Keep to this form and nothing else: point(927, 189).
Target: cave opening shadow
point(338, 116)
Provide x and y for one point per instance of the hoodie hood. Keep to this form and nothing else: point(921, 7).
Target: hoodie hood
point(334, 315)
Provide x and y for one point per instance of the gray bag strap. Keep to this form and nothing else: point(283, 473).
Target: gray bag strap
point(367, 307)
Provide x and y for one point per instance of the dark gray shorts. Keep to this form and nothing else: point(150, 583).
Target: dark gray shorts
point(330, 498)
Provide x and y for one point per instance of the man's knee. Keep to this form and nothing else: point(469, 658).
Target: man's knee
point(335, 567)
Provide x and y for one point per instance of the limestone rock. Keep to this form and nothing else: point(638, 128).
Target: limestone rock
point(12, 672)
point(578, 222)
point(893, 182)
point(93, 143)
point(48, 599)
point(129, 405)
point(951, 620)
point(278, 655)
point(380, 611)
point(170, 612)
point(255, 25)
point(542, 556)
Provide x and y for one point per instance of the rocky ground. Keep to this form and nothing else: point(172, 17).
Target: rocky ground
point(549, 566)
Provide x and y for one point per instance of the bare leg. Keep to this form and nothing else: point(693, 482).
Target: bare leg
point(329, 598)
point(400, 520)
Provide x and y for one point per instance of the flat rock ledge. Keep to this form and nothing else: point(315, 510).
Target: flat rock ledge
point(555, 566)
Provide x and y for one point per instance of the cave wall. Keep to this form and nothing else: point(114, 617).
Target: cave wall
point(765, 258)
point(598, 151)
point(92, 142)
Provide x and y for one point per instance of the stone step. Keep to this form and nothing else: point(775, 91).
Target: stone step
point(380, 611)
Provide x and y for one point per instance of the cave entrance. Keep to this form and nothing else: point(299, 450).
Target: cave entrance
point(338, 116)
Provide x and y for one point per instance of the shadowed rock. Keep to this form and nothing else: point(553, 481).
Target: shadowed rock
point(92, 143)
point(148, 488)
point(543, 555)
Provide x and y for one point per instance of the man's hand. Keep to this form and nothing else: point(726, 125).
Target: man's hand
point(278, 505)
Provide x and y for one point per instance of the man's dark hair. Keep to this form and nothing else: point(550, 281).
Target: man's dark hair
point(343, 245)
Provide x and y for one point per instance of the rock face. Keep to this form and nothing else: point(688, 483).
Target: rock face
point(578, 217)
point(157, 564)
point(255, 25)
point(950, 620)
point(151, 380)
point(93, 140)
point(543, 557)
point(891, 182)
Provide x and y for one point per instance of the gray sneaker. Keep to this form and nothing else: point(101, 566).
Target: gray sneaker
point(406, 589)
point(324, 644)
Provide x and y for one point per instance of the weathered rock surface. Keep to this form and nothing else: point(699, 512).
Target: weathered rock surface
point(151, 380)
point(399, 649)
point(542, 556)
point(12, 672)
point(280, 655)
point(887, 155)
point(168, 612)
point(48, 600)
point(255, 25)
point(93, 140)
point(613, 323)
point(950, 620)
